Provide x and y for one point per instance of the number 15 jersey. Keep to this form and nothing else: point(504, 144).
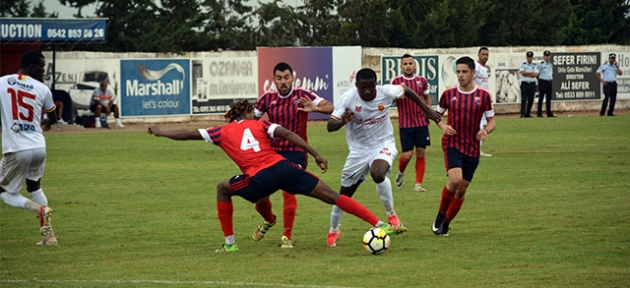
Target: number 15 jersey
point(22, 100)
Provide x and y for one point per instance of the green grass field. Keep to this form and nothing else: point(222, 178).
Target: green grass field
point(551, 208)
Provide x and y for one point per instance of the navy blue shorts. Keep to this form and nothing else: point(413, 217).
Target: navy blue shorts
point(295, 157)
point(456, 159)
point(283, 175)
point(414, 137)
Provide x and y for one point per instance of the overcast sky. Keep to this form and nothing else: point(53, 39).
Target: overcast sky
point(66, 12)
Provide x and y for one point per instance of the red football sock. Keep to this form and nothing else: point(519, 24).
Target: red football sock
point(445, 202)
point(264, 209)
point(290, 206)
point(225, 210)
point(402, 165)
point(454, 208)
point(348, 205)
point(421, 165)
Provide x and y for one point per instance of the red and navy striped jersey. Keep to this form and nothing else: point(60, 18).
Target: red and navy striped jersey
point(283, 110)
point(410, 115)
point(465, 110)
point(247, 142)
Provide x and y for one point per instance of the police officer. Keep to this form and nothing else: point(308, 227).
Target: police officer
point(529, 72)
point(544, 84)
point(607, 75)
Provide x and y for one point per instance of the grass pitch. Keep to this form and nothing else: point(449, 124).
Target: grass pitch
point(550, 208)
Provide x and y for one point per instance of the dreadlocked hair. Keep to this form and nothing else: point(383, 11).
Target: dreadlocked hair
point(239, 108)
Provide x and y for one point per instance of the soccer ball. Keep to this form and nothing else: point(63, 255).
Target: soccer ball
point(376, 240)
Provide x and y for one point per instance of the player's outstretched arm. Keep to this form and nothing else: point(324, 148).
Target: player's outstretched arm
point(175, 134)
point(336, 124)
point(298, 141)
point(431, 114)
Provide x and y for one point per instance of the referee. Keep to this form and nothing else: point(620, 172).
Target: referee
point(544, 84)
point(529, 72)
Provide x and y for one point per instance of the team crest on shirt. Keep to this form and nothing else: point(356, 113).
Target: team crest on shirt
point(454, 98)
point(477, 101)
point(381, 107)
point(357, 109)
point(272, 103)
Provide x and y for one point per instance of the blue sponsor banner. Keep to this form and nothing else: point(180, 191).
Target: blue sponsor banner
point(155, 87)
point(73, 30)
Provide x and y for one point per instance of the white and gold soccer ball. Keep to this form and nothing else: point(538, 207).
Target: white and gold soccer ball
point(376, 241)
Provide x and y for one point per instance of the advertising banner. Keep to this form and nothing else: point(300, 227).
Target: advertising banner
point(155, 87)
point(574, 76)
point(312, 70)
point(426, 66)
point(623, 81)
point(217, 82)
point(80, 77)
point(72, 30)
point(346, 64)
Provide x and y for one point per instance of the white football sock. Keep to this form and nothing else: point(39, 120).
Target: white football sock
point(335, 218)
point(384, 190)
point(39, 197)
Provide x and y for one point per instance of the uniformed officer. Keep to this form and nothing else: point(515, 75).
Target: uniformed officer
point(529, 72)
point(607, 75)
point(545, 76)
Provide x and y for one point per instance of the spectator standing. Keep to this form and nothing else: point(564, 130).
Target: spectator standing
point(545, 76)
point(529, 72)
point(607, 75)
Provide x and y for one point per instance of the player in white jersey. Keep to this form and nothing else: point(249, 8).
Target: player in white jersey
point(23, 98)
point(370, 138)
point(481, 79)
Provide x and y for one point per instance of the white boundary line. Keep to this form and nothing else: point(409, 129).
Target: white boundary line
point(212, 283)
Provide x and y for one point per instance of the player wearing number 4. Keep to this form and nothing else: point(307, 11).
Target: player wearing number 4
point(466, 105)
point(248, 143)
point(23, 97)
point(288, 106)
point(370, 137)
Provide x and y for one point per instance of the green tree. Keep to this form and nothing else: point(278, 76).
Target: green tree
point(14, 8)
point(39, 11)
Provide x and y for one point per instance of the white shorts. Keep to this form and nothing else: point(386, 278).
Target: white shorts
point(358, 163)
point(18, 166)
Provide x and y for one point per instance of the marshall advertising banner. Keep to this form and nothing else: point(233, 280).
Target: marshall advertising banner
point(155, 87)
point(313, 69)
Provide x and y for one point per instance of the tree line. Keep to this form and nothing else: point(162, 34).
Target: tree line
point(205, 25)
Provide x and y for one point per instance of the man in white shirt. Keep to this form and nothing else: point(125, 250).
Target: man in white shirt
point(23, 98)
point(364, 111)
point(103, 102)
point(481, 79)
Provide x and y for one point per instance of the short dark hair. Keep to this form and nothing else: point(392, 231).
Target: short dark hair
point(366, 74)
point(406, 55)
point(466, 60)
point(282, 66)
point(482, 48)
point(31, 57)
